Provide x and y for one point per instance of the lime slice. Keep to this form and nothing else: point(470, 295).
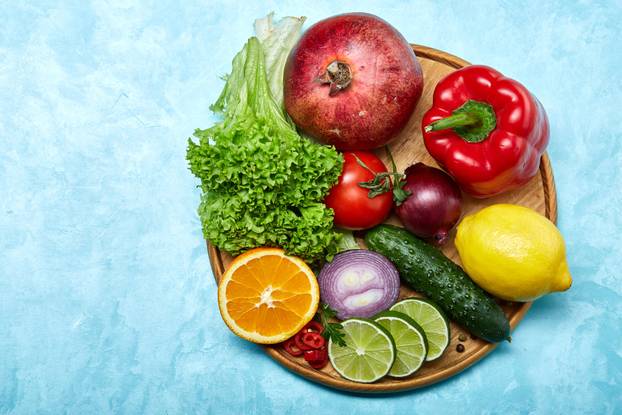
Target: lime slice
point(409, 341)
point(431, 319)
point(368, 354)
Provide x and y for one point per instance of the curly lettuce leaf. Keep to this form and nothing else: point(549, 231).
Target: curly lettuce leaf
point(262, 183)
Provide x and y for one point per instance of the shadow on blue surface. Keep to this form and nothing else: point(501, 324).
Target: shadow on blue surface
point(499, 350)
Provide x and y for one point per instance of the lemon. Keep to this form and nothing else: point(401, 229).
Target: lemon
point(513, 252)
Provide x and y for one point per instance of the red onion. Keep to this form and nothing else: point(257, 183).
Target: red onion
point(433, 208)
point(359, 283)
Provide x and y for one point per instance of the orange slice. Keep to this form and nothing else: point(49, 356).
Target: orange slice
point(266, 296)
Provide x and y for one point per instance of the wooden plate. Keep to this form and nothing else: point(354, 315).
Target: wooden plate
point(408, 148)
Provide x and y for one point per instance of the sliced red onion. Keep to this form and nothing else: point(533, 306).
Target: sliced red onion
point(359, 283)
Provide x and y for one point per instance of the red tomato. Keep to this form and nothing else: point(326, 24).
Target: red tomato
point(352, 206)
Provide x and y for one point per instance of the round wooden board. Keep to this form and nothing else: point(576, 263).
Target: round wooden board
point(408, 148)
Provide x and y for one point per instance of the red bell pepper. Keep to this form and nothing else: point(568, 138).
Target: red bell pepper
point(487, 131)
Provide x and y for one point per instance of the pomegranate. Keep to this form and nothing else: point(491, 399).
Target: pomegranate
point(352, 81)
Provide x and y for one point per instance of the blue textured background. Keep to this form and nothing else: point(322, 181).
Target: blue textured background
point(107, 304)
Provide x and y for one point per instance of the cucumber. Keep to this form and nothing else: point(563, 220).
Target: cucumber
point(428, 271)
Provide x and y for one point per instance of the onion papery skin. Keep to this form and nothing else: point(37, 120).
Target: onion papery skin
point(434, 206)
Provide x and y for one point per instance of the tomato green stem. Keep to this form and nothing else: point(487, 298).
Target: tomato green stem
point(399, 194)
point(383, 182)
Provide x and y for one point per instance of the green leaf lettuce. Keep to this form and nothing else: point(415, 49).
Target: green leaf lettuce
point(262, 183)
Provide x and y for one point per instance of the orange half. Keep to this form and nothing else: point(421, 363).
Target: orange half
point(266, 296)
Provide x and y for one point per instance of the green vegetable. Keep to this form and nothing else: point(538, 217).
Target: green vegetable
point(347, 241)
point(428, 271)
point(277, 40)
point(263, 184)
point(332, 331)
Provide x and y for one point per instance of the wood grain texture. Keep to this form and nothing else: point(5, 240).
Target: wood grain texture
point(538, 194)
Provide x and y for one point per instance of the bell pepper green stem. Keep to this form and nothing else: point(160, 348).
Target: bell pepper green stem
point(473, 121)
point(456, 120)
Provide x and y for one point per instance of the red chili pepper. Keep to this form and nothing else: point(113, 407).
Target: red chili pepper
point(316, 355)
point(309, 342)
point(291, 348)
point(319, 364)
point(317, 358)
point(314, 340)
point(486, 130)
point(313, 326)
point(298, 340)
